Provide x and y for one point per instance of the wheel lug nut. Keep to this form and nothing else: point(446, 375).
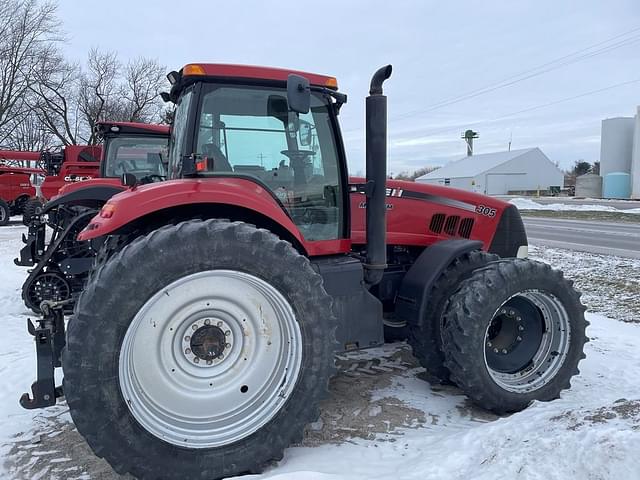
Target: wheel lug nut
point(221, 356)
point(521, 328)
point(196, 359)
point(227, 345)
point(519, 338)
point(209, 362)
point(219, 324)
point(504, 351)
point(194, 326)
point(489, 344)
point(519, 319)
point(512, 312)
point(207, 321)
point(503, 311)
point(187, 338)
point(495, 350)
point(227, 332)
point(187, 351)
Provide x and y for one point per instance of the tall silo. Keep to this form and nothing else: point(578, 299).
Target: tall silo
point(635, 159)
point(616, 145)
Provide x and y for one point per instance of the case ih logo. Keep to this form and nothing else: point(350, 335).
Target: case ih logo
point(76, 178)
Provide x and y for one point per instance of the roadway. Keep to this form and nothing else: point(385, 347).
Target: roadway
point(607, 238)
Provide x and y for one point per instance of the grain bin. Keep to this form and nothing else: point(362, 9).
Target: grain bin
point(617, 185)
point(616, 145)
point(589, 185)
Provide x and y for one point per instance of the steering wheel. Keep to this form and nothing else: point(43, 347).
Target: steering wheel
point(152, 178)
point(294, 155)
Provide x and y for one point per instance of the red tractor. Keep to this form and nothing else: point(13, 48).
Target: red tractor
point(73, 163)
point(61, 263)
point(204, 339)
point(15, 185)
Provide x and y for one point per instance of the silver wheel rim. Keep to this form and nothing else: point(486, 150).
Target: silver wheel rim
point(3, 214)
point(552, 350)
point(210, 393)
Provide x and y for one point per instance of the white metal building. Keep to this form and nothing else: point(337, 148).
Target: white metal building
point(499, 173)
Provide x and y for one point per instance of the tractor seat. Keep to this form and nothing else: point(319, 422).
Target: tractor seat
point(220, 162)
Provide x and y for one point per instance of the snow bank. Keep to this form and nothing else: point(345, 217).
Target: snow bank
point(528, 204)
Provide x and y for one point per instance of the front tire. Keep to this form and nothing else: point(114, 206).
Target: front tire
point(199, 351)
point(514, 333)
point(29, 210)
point(425, 335)
point(5, 213)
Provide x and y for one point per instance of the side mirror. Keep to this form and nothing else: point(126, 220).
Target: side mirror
point(298, 93)
point(128, 180)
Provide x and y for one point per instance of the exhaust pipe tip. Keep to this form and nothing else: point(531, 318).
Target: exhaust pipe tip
point(378, 79)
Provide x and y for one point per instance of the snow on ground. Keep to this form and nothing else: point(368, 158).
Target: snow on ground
point(528, 204)
point(389, 424)
point(609, 285)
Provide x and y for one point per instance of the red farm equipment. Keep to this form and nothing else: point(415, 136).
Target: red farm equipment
point(16, 189)
point(204, 339)
point(60, 262)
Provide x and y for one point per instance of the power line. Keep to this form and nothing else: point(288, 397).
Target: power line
point(536, 71)
point(536, 107)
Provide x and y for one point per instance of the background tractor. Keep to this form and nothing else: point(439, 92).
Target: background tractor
point(204, 339)
point(70, 164)
point(60, 262)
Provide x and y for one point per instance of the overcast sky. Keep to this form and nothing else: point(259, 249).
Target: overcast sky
point(440, 50)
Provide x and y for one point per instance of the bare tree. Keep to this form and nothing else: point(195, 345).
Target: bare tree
point(70, 100)
point(143, 80)
point(28, 30)
point(54, 99)
point(31, 134)
point(99, 96)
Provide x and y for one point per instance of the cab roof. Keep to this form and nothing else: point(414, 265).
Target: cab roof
point(105, 127)
point(224, 70)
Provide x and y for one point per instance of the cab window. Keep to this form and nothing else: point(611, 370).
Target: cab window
point(142, 156)
point(250, 131)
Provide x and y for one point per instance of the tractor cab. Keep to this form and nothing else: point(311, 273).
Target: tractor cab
point(225, 126)
point(133, 148)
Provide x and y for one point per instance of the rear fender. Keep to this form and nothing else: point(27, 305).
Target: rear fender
point(93, 196)
point(131, 206)
point(416, 285)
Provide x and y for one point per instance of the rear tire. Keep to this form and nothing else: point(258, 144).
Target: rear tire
point(29, 210)
point(514, 333)
point(425, 335)
point(5, 213)
point(128, 296)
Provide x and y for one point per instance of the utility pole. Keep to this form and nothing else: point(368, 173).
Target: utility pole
point(468, 137)
point(510, 140)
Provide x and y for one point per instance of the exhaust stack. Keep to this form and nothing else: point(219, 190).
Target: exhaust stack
point(375, 190)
